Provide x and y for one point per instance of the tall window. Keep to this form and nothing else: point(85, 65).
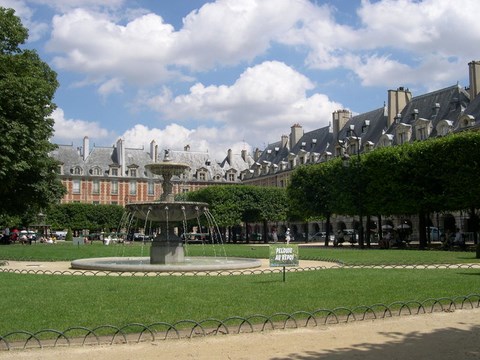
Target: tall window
point(151, 188)
point(133, 172)
point(132, 187)
point(231, 177)
point(114, 171)
point(96, 187)
point(202, 176)
point(114, 187)
point(76, 187)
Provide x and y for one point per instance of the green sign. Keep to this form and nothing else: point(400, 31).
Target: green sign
point(283, 255)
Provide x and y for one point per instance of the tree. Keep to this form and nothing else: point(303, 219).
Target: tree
point(27, 87)
point(312, 192)
point(233, 204)
point(77, 216)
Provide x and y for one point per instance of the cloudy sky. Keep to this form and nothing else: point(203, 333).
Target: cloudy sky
point(238, 73)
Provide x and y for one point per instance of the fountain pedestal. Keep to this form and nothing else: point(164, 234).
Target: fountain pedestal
point(167, 247)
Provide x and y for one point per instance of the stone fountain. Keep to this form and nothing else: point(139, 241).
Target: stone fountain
point(167, 252)
point(167, 247)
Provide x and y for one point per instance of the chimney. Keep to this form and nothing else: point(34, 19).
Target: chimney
point(153, 151)
point(186, 148)
point(339, 119)
point(244, 155)
point(121, 156)
point(296, 132)
point(257, 154)
point(284, 141)
point(397, 100)
point(474, 77)
point(86, 148)
point(229, 156)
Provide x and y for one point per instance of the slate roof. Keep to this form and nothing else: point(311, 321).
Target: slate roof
point(444, 104)
point(377, 124)
point(105, 157)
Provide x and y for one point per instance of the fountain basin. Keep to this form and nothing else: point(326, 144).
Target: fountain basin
point(142, 264)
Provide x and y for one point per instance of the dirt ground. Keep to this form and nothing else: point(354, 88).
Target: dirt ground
point(439, 336)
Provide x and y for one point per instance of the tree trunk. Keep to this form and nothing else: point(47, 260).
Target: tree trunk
point(422, 222)
point(327, 230)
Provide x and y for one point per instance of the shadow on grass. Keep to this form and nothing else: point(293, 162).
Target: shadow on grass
point(464, 273)
point(448, 343)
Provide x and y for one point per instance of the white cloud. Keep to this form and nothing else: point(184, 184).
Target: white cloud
point(228, 32)
point(215, 141)
point(111, 86)
point(72, 130)
point(265, 99)
point(137, 52)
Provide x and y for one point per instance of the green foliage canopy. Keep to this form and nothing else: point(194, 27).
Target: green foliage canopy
point(27, 87)
point(233, 204)
point(79, 216)
point(440, 174)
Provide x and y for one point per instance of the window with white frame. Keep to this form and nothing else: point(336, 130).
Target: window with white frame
point(151, 188)
point(96, 171)
point(132, 187)
point(76, 186)
point(96, 186)
point(404, 133)
point(114, 171)
point(114, 187)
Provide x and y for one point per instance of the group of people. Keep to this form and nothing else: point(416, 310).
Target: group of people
point(288, 236)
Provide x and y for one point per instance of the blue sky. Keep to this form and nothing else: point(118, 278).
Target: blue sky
point(238, 73)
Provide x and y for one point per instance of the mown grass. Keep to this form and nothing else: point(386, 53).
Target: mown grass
point(33, 302)
point(350, 256)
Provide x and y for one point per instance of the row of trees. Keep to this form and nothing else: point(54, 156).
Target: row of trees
point(77, 216)
point(232, 205)
point(413, 179)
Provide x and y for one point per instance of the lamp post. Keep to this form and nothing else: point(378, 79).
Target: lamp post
point(346, 159)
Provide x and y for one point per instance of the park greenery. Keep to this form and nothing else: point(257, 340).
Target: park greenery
point(27, 87)
point(232, 205)
point(415, 179)
point(78, 216)
point(120, 300)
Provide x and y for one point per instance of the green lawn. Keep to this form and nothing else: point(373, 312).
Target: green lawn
point(34, 302)
point(347, 255)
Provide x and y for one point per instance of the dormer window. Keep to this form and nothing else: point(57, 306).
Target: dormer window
point(77, 170)
point(132, 171)
point(385, 140)
point(467, 121)
point(403, 133)
point(60, 169)
point(444, 127)
point(113, 171)
point(202, 174)
point(368, 146)
point(96, 171)
point(423, 128)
